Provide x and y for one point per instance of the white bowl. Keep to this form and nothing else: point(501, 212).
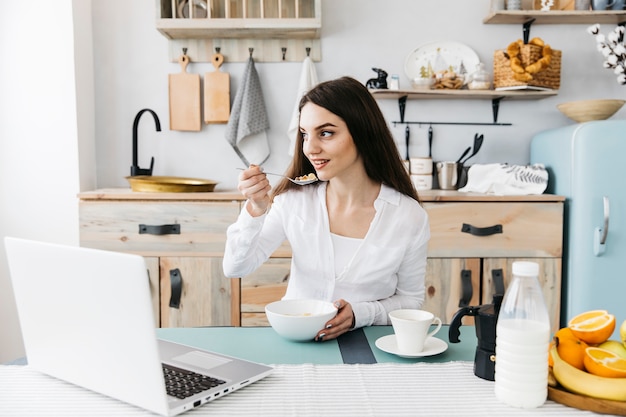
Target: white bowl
point(299, 320)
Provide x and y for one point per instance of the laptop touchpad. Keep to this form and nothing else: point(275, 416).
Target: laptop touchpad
point(201, 359)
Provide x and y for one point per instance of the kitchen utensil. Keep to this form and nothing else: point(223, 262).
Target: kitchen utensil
point(588, 110)
point(299, 320)
point(162, 184)
point(407, 135)
point(447, 175)
point(485, 324)
point(184, 94)
point(295, 181)
point(430, 141)
point(421, 166)
point(199, 9)
point(601, 4)
point(412, 328)
point(582, 402)
point(478, 142)
point(465, 152)
point(216, 93)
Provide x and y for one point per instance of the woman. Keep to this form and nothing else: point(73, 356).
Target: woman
point(358, 236)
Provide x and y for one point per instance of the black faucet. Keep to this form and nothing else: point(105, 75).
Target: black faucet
point(134, 169)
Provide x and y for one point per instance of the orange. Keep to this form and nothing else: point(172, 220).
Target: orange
point(604, 363)
point(593, 327)
point(570, 348)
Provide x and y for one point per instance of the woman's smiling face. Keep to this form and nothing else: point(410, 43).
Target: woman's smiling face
point(327, 143)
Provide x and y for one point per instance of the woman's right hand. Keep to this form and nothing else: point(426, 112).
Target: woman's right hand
point(255, 187)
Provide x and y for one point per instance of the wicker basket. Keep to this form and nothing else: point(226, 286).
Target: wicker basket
point(548, 78)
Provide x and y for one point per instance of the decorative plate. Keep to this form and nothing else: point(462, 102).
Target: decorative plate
point(441, 55)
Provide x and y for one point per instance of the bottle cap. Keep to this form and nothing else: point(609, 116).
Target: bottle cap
point(527, 269)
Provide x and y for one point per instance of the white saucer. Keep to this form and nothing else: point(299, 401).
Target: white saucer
point(433, 346)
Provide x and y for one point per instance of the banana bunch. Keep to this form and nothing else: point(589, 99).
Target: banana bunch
point(581, 382)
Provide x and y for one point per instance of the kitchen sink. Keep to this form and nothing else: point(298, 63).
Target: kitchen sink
point(165, 184)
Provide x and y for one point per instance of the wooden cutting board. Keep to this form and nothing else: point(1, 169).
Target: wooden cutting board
point(184, 93)
point(216, 93)
point(582, 402)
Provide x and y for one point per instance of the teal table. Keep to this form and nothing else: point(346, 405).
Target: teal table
point(264, 345)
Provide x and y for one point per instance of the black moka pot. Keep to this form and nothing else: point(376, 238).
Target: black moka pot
point(485, 323)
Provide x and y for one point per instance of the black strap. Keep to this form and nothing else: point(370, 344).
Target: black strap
point(355, 348)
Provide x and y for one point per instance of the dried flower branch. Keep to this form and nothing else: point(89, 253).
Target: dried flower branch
point(612, 49)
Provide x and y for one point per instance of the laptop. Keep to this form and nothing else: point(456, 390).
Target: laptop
point(86, 318)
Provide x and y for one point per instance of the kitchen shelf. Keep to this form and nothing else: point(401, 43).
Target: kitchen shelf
point(463, 94)
point(239, 28)
point(494, 95)
point(555, 17)
point(277, 30)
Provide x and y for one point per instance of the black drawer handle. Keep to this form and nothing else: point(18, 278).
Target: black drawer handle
point(466, 288)
point(163, 229)
point(176, 283)
point(481, 231)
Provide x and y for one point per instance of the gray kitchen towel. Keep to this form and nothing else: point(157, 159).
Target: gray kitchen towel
point(248, 123)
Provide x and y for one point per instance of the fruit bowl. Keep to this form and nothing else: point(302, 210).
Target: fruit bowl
point(588, 110)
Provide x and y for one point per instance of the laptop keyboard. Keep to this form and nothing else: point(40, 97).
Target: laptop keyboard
point(181, 383)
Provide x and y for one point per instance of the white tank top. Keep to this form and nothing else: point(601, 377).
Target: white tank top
point(344, 249)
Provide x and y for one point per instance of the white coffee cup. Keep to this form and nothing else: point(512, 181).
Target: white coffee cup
point(411, 328)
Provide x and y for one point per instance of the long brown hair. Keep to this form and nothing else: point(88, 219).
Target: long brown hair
point(350, 100)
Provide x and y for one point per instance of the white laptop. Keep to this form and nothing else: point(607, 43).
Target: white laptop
point(86, 318)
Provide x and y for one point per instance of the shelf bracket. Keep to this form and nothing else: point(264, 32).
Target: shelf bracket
point(526, 30)
point(495, 106)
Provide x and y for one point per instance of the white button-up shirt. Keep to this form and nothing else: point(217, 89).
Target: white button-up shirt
point(386, 272)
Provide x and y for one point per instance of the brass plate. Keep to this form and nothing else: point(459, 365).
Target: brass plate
point(160, 184)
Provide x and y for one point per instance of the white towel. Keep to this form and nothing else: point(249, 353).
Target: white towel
point(505, 179)
point(308, 80)
point(248, 123)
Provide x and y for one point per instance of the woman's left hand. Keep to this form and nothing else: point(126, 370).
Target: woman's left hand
point(338, 325)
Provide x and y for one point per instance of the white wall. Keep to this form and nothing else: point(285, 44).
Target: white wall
point(131, 67)
point(44, 80)
point(49, 106)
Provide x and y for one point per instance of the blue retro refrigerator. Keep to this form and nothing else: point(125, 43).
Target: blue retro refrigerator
point(586, 163)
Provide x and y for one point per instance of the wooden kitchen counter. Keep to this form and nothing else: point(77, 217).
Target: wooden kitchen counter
point(235, 195)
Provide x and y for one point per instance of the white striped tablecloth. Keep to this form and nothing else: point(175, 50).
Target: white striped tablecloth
point(385, 389)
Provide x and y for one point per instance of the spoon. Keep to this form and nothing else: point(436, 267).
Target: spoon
point(469, 148)
point(295, 181)
point(478, 142)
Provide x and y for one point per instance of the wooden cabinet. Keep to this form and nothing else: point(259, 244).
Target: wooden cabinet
point(182, 237)
point(475, 238)
point(474, 241)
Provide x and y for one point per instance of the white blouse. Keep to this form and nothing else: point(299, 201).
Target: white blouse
point(386, 272)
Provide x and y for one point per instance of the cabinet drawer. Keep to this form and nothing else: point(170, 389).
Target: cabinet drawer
point(526, 229)
point(117, 226)
point(263, 286)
